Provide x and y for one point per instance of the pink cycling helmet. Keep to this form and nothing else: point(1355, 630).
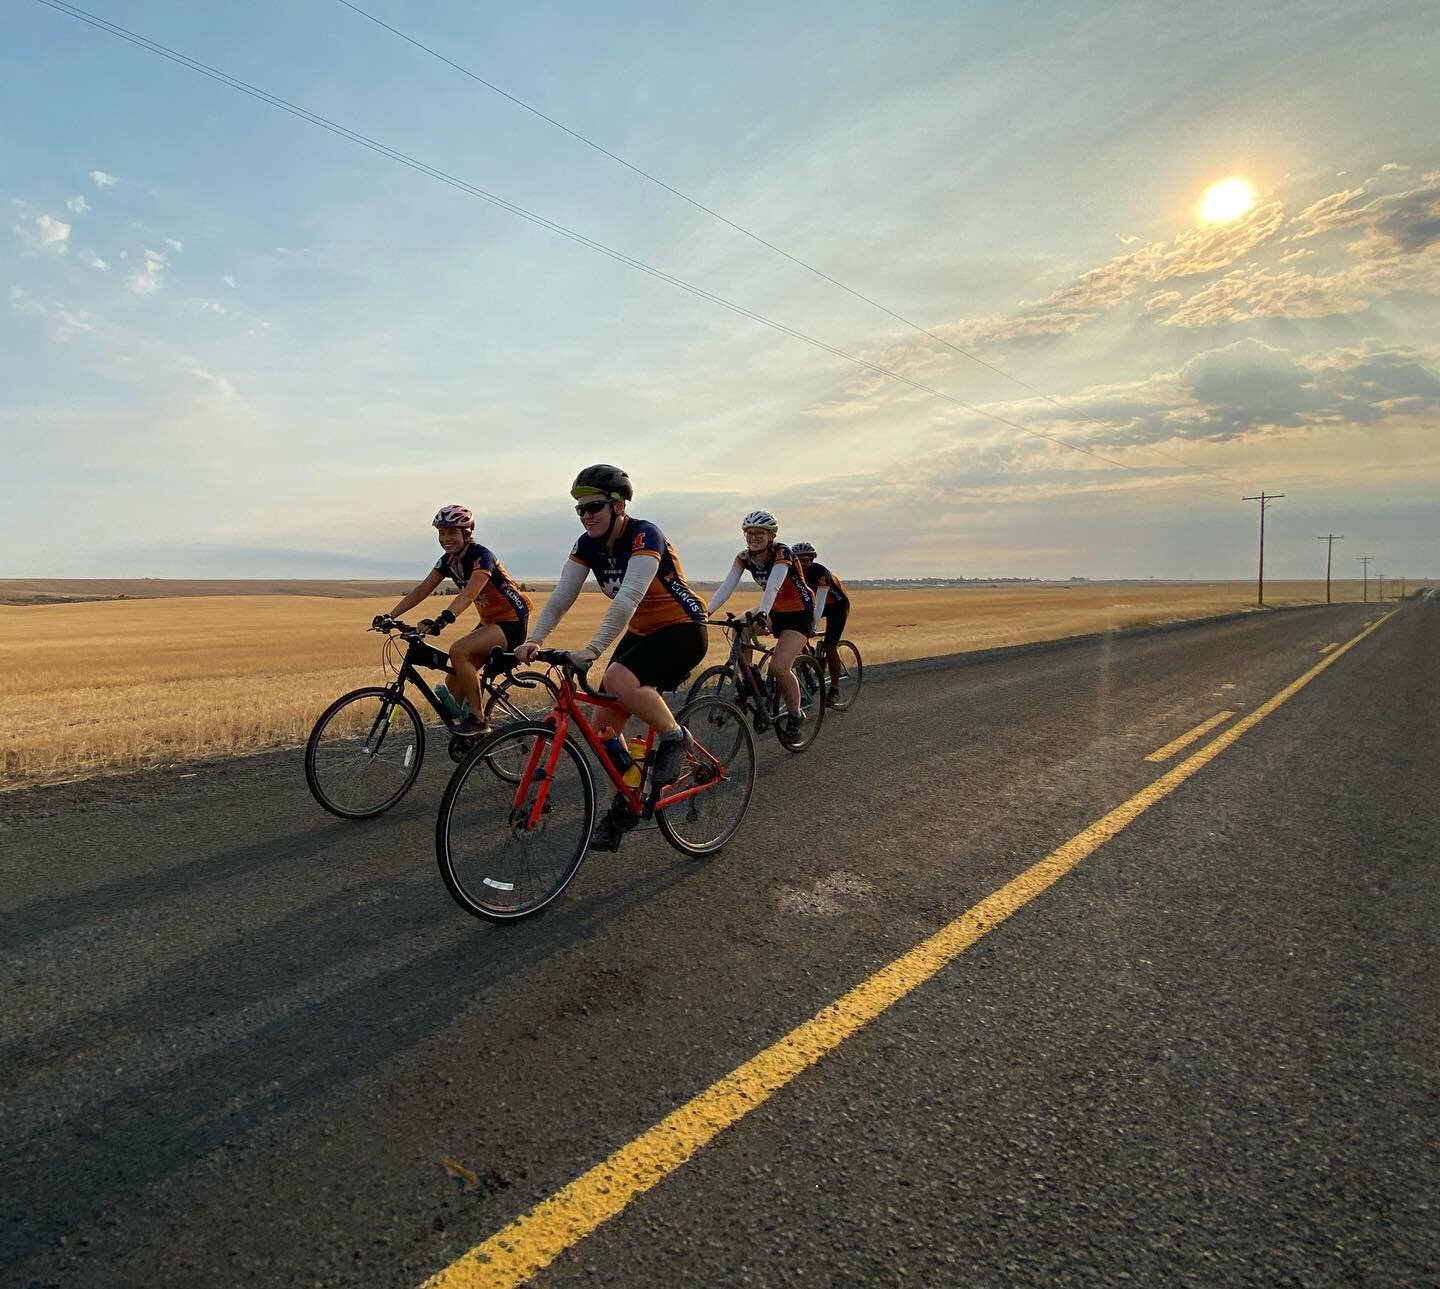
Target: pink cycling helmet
point(453, 517)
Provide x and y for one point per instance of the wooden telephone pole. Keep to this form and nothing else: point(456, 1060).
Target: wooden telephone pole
point(1264, 499)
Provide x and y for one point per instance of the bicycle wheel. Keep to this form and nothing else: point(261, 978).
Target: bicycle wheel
point(525, 696)
point(521, 696)
point(852, 673)
point(812, 706)
point(716, 682)
point(704, 822)
point(364, 753)
point(505, 851)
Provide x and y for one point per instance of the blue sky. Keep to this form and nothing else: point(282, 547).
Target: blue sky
point(234, 345)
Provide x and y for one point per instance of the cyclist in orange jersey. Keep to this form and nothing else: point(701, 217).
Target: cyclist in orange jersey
point(787, 606)
point(661, 618)
point(832, 608)
point(481, 580)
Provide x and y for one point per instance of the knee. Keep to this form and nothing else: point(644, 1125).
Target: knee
point(458, 652)
point(618, 681)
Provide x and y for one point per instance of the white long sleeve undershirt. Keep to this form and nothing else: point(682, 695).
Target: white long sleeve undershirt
point(639, 573)
point(566, 592)
point(820, 603)
point(773, 583)
point(726, 588)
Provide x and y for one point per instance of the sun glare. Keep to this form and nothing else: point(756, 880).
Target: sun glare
point(1225, 200)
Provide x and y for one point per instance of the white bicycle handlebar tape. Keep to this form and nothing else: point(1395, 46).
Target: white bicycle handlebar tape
point(567, 591)
point(726, 588)
point(639, 573)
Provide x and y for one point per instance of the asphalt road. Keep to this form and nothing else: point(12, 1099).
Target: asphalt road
point(240, 1036)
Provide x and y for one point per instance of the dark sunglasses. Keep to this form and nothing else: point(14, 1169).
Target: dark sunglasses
point(590, 507)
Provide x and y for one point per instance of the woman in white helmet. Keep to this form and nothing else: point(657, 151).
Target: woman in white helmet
point(787, 605)
point(481, 579)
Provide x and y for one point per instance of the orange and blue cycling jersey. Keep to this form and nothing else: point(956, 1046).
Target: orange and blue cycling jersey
point(817, 576)
point(500, 600)
point(668, 600)
point(794, 595)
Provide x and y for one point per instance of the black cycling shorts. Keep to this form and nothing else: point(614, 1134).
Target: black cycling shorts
point(665, 657)
point(799, 621)
point(834, 618)
point(514, 633)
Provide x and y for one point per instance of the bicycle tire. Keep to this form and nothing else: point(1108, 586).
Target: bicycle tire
point(713, 681)
point(852, 668)
point(812, 706)
point(522, 695)
point(702, 824)
point(485, 851)
point(364, 759)
point(538, 690)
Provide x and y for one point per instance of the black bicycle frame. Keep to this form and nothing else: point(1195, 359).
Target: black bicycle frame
point(418, 655)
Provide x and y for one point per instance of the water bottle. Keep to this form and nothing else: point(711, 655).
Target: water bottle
point(447, 700)
point(636, 771)
point(615, 749)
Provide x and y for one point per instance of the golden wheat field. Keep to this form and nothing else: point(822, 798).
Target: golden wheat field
point(122, 684)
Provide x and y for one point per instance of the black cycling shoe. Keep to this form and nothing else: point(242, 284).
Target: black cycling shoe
point(471, 727)
point(606, 835)
point(670, 758)
point(791, 724)
point(832, 696)
point(613, 826)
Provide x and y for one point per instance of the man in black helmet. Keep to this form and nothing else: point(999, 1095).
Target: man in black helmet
point(662, 619)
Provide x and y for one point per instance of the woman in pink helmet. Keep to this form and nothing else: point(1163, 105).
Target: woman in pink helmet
point(503, 607)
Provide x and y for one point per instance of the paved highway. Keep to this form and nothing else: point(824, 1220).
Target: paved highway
point(1188, 1041)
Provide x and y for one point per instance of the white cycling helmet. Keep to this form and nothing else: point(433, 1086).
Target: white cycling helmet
point(453, 517)
point(802, 548)
point(761, 519)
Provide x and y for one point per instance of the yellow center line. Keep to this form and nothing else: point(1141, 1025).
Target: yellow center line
point(533, 1240)
point(1187, 738)
point(1327, 648)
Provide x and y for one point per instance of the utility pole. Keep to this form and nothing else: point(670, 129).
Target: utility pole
point(1329, 539)
point(1381, 596)
point(1365, 562)
point(1403, 580)
point(1264, 499)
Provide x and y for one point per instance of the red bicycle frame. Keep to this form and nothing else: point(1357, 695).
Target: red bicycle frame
point(566, 711)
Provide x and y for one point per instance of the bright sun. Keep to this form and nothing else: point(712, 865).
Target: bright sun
point(1225, 200)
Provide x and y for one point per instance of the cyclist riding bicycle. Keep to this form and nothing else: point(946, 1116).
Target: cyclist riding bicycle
point(662, 619)
point(787, 606)
point(481, 579)
point(832, 606)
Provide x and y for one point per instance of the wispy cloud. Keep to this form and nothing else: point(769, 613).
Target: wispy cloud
point(102, 180)
point(175, 244)
point(228, 280)
point(95, 262)
point(1256, 293)
point(65, 323)
point(44, 233)
point(147, 279)
point(77, 205)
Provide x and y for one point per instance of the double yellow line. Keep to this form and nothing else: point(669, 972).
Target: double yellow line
point(518, 1251)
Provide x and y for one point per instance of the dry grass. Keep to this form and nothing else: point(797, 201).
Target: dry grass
point(116, 685)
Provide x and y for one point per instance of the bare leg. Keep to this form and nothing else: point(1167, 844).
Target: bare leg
point(782, 666)
point(640, 700)
point(467, 655)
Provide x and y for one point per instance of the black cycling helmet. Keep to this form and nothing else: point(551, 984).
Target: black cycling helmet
point(608, 480)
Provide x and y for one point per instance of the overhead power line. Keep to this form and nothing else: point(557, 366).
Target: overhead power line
point(394, 154)
point(757, 237)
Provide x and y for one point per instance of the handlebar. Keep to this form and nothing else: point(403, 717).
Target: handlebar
point(402, 629)
point(502, 660)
